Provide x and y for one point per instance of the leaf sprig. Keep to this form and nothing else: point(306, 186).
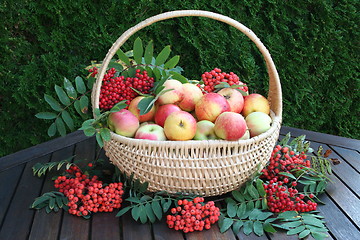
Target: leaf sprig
point(40, 169)
point(51, 201)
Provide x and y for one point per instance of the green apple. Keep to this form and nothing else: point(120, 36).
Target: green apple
point(258, 122)
point(205, 130)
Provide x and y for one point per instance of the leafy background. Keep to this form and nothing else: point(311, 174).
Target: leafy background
point(314, 45)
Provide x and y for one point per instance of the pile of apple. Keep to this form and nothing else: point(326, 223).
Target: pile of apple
point(184, 112)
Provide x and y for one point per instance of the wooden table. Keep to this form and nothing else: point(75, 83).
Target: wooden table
point(19, 188)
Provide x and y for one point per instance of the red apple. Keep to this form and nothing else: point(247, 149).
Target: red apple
point(210, 106)
point(234, 98)
point(255, 103)
point(180, 126)
point(173, 96)
point(192, 95)
point(230, 126)
point(163, 112)
point(258, 122)
point(123, 123)
point(133, 107)
point(151, 132)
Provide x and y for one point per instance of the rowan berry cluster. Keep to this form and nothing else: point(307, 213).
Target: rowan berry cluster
point(115, 89)
point(216, 76)
point(281, 197)
point(88, 195)
point(284, 160)
point(282, 194)
point(193, 215)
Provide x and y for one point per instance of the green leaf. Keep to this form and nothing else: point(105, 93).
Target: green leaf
point(264, 215)
point(150, 213)
point(68, 120)
point(231, 209)
point(288, 215)
point(163, 55)
point(143, 214)
point(319, 235)
point(248, 227)
point(236, 226)
point(80, 85)
point(99, 140)
point(179, 77)
point(172, 62)
point(123, 211)
point(252, 191)
point(122, 56)
point(269, 228)
point(133, 199)
point(52, 203)
point(157, 209)
point(60, 126)
point(78, 108)
point(304, 233)
point(135, 213)
point(52, 102)
point(292, 224)
point(64, 99)
point(149, 51)
point(241, 210)
point(258, 228)
point(306, 182)
point(166, 205)
point(287, 174)
point(254, 214)
point(89, 131)
point(296, 230)
point(313, 221)
point(69, 88)
point(238, 196)
point(84, 102)
point(226, 224)
point(143, 187)
point(105, 134)
point(46, 115)
point(138, 50)
point(146, 104)
point(222, 85)
point(260, 187)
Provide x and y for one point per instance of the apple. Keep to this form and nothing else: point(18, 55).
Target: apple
point(258, 122)
point(210, 106)
point(205, 130)
point(180, 126)
point(151, 132)
point(123, 123)
point(246, 135)
point(163, 112)
point(255, 103)
point(230, 126)
point(234, 98)
point(192, 95)
point(133, 107)
point(173, 96)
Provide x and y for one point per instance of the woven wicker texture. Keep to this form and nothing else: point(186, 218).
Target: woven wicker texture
point(209, 167)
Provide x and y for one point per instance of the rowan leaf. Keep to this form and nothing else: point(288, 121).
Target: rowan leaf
point(172, 62)
point(157, 209)
point(80, 85)
point(46, 115)
point(55, 105)
point(226, 224)
point(149, 51)
point(138, 50)
point(258, 228)
point(69, 88)
point(60, 126)
point(163, 55)
point(123, 211)
point(64, 99)
point(68, 119)
point(52, 130)
point(122, 56)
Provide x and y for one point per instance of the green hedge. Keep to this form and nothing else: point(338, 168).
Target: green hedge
point(313, 44)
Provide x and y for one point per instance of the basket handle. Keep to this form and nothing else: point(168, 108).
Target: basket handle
point(274, 94)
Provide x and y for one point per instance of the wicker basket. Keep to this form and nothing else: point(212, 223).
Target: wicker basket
point(208, 167)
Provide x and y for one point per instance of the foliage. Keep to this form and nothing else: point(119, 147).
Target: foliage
point(51, 201)
point(311, 42)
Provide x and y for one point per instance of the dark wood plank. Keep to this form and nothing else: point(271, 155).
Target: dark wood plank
point(47, 225)
point(345, 199)
point(19, 217)
point(212, 233)
point(11, 177)
point(105, 226)
point(323, 138)
point(41, 150)
point(343, 171)
point(74, 227)
point(135, 230)
point(339, 225)
point(350, 156)
point(163, 232)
